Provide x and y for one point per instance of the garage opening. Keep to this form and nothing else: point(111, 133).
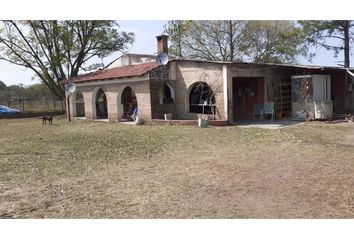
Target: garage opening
point(130, 104)
point(79, 105)
point(101, 105)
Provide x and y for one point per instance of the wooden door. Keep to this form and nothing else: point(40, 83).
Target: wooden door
point(246, 93)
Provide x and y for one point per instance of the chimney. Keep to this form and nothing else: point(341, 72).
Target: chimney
point(162, 45)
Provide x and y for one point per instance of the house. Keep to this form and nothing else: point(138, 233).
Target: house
point(186, 88)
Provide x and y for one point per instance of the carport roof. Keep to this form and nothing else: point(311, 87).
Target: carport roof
point(118, 72)
point(310, 67)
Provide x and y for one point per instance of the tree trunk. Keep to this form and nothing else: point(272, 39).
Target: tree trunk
point(179, 41)
point(346, 45)
point(231, 42)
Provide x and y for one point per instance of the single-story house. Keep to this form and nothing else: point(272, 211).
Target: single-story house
point(187, 88)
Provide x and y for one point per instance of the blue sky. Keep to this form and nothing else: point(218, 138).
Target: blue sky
point(145, 42)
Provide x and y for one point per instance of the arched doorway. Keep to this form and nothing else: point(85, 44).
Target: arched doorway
point(166, 94)
point(79, 105)
point(129, 103)
point(201, 99)
point(101, 104)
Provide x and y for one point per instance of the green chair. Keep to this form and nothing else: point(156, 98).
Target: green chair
point(268, 109)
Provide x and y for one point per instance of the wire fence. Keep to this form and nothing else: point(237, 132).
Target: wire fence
point(34, 105)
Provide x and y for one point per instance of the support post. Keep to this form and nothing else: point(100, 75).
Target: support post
point(68, 106)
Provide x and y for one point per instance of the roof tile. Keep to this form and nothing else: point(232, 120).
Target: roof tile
point(119, 72)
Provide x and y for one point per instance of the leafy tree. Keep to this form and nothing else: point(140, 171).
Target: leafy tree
point(2, 86)
point(177, 31)
point(15, 90)
point(272, 41)
point(319, 34)
point(37, 91)
point(57, 50)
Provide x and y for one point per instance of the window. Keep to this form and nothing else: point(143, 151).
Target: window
point(166, 94)
point(201, 99)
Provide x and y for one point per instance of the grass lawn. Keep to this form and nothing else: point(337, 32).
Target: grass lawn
point(111, 170)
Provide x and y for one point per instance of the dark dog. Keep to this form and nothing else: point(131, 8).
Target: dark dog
point(46, 118)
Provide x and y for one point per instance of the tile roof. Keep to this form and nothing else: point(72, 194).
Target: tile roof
point(118, 72)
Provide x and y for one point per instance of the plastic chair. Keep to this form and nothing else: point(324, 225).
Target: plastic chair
point(134, 114)
point(268, 108)
point(258, 111)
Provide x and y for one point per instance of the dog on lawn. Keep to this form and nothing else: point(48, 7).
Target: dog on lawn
point(46, 118)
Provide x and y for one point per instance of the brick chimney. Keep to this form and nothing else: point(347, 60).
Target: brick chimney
point(162, 45)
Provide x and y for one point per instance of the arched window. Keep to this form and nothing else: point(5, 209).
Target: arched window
point(166, 94)
point(79, 105)
point(201, 99)
point(101, 104)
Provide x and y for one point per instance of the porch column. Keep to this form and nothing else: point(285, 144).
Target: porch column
point(225, 85)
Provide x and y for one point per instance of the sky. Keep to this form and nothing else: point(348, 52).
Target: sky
point(145, 42)
point(141, 17)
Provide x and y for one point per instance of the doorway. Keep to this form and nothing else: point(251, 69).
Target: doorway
point(247, 91)
point(101, 105)
point(79, 105)
point(129, 102)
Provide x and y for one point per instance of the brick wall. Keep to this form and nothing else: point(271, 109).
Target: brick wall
point(160, 73)
point(180, 75)
point(188, 73)
point(158, 78)
point(158, 109)
point(113, 94)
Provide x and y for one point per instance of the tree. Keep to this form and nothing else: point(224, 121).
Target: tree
point(272, 41)
point(37, 91)
point(214, 40)
point(58, 50)
point(2, 86)
point(320, 33)
point(231, 40)
point(177, 29)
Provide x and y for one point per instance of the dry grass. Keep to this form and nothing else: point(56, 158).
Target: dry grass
point(109, 170)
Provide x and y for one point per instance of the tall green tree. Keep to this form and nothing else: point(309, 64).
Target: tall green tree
point(272, 41)
point(58, 50)
point(323, 33)
point(177, 31)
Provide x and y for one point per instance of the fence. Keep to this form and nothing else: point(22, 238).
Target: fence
point(34, 105)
